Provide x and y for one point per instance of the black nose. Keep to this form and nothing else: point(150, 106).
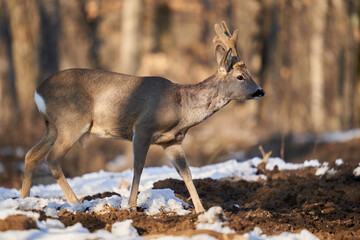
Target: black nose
point(259, 93)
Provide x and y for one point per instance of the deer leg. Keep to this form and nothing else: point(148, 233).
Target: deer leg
point(176, 154)
point(141, 143)
point(32, 160)
point(54, 158)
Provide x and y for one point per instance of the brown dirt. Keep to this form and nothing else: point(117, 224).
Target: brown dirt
point(145, 224)
point(328, 206)
point(18, 222)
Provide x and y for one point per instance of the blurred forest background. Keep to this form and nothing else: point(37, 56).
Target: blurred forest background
point(304, 53)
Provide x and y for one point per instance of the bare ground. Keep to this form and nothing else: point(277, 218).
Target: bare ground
point(328, 206)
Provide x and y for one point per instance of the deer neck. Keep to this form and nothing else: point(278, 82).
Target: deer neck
point(200, 101)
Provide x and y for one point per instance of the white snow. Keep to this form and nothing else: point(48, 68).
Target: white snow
point(8, 212)
point(50, 199)
point(339, 162)
point(119, 163)
point(322, 170)
point(161, 200)
point(124, 229)
point(212, 215)
point(340, 136)
point(195, 237)
point(75, 232)
point(325, 169)
point(282, 165)
point(356, 171)
point(212, 220)
point(256, 234)
point(337, 136)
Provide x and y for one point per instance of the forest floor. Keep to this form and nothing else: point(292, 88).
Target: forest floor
point(327, 205)
point(288, 201)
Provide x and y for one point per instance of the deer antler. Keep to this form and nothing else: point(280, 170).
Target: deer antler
point(224, 39)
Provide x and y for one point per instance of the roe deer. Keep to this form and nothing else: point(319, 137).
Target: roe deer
point(145, 110)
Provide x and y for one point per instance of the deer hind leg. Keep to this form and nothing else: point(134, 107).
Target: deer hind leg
point(32, 160)
point(64, 141)
point(176, 154)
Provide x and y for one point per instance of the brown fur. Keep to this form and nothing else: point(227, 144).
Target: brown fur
point(144, 110)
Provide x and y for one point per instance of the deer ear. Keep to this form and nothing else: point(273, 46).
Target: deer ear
point(219, 53)
point(226, 62)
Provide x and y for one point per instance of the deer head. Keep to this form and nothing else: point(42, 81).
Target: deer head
point(236, 81)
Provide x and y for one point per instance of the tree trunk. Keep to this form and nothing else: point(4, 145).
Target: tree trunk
point(318, 15)
point(130, 44)
point(74, 39)
point(108, 33)
point(7, 111)
point(24, 29)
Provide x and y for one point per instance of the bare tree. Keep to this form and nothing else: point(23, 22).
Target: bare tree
point(6, 98)
point(24, 30)
point(318, 15)
point(131, 27)
point(74, 41)
point(305, 53)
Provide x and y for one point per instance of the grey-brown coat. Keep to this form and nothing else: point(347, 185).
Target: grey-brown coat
point(145, 110)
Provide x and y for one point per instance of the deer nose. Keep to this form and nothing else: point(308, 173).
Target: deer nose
point(258, 94)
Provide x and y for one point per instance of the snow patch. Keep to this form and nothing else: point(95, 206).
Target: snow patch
point(213, 220)
point(50, 224)
point(337, 136)
point(119, 163)
point(325, 169)
point(339, 162)
point(256, 234)
point(161, 200)
point(212, 215)
point(51, 199)
point(124, 229)
point(8, 212)
point(245, 170)
point(340, 136)
point(282, 165)
point(322, 170)
point(195, 237)
point(356, 171)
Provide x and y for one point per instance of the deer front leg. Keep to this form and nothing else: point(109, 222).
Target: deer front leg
point(141, 143)
point(176, 154)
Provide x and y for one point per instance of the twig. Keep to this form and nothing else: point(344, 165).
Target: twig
point(282, 146)
point(265, 156)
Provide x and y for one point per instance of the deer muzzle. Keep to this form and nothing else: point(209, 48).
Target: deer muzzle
point(258, 94)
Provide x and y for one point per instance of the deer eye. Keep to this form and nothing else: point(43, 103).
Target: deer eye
point(240, 77)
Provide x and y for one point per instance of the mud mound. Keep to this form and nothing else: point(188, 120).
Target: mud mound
point(18, 222)
point(99, 195)
point(145, 224)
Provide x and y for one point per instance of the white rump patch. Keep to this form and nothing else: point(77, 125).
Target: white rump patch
point(40, 103)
